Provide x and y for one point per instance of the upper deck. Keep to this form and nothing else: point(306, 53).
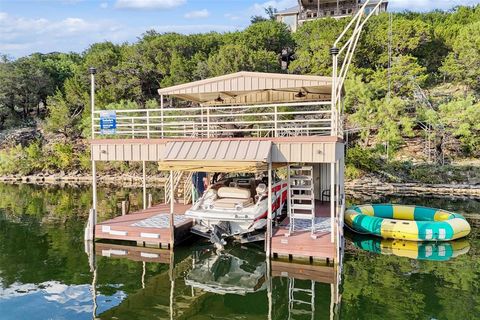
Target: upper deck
point(239, 105)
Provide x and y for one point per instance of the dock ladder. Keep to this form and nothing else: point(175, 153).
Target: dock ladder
point(301, 301)
point(301, 198)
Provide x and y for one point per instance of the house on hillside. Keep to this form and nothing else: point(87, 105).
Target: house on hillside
point(317, 9)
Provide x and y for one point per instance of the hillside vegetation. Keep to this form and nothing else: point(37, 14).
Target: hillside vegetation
point(420, 80)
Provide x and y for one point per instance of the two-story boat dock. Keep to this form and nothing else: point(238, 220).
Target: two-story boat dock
point(242, 122)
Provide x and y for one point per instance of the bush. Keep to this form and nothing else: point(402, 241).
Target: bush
point(352, 173)
point(363, 159)
point(61, 156)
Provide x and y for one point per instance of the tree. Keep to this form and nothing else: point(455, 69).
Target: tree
point(268, 35)
point(237, 57)
point(463, 63)
point(60, 120)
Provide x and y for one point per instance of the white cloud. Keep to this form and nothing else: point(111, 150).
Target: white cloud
point(104, 5)
point(231, 16)
point(426, 5)
point(22, 35)
point(259, 8)
point(197, 14)
point(149, 4)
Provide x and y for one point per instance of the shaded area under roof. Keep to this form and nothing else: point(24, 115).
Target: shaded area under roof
point(217, 156)
point(253, 88)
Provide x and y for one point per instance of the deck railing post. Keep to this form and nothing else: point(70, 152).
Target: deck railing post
point(133, 128)
point(148, 124)
point(161, 115)
point(208, 121)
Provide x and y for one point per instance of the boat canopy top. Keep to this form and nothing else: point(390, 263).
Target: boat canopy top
point(243, 87)
point(218, 156)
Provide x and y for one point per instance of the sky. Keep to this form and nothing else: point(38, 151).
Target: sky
point(28, 26)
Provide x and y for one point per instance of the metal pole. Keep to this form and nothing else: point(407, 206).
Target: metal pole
point(269, 216)
point(332, 202)
point(92, 72)
point(172, 222)
point(144, 184)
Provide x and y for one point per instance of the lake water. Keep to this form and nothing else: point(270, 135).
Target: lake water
point(46, 274)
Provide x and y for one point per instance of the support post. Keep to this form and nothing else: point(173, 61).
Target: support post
point(150, 201)
point(144, 184)
point(268, 238)
point(276, 122)
point(93, 213)
point(332, 202)
point(161, 115)
point(172, 221)
point(124, 208)
point(208, 121)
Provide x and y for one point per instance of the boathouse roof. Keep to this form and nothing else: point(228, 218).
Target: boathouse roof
point(217, 156)
point(253, 88)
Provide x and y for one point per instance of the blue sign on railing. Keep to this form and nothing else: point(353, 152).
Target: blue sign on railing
point(108, 122)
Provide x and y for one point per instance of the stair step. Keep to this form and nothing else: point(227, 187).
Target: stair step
point(309, 291)
point(301, 168)
point(301, 197)
point(301, 177)
point(302, 216)
point(301, 188)
point(302, 206)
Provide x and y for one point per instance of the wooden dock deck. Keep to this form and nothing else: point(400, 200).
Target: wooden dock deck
point(300, 244)
point(150, 227)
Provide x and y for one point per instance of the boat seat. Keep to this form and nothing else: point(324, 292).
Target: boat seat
point(232, 203)
point(234, 192)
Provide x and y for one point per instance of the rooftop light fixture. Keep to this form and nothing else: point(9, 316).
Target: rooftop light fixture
point(300, 94)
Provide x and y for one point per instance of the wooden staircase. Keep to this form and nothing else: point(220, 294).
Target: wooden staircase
point(182, 187)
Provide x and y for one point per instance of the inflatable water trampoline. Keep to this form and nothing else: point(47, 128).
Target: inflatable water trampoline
point(403, 222)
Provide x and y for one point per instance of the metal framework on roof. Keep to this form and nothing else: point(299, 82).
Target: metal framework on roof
point(253, 88)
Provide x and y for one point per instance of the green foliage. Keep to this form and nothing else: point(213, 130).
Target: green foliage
point(381, 103)
point(463, 63)
point(61, 156)
point(461, 119)
point(237, 57)
point(313, 40)
point(363, 159)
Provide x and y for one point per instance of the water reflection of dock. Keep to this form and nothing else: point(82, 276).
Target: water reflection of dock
point(204, 280)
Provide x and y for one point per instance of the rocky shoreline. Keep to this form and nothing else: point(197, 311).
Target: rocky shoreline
point(360, 188)
point(368, 187)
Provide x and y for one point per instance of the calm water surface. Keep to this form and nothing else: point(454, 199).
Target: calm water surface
point(46, 274)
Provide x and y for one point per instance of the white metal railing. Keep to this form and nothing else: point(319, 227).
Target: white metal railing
point(347, 52)
point(268, 120)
